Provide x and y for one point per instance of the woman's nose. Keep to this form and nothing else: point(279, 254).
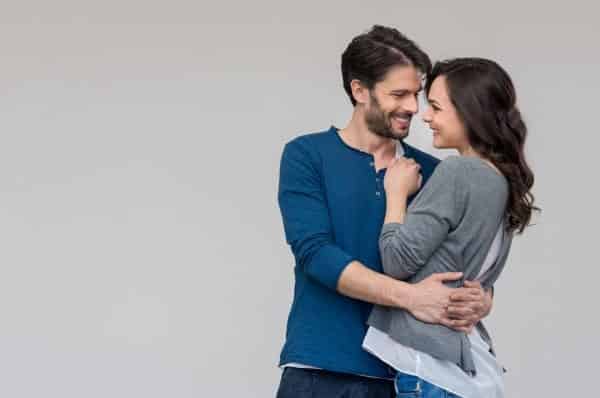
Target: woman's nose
point(427, 115)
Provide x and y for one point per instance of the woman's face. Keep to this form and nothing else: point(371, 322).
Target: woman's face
point(448, 130)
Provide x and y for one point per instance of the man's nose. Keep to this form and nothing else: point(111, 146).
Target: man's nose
point(412, 105)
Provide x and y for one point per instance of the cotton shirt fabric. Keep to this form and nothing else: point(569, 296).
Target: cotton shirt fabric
point(332, 203)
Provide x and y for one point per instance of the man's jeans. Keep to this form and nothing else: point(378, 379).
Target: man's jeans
point(305, 383)
point(408, 386)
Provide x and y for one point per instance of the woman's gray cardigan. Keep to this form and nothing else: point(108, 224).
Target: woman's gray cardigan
point(449, 226)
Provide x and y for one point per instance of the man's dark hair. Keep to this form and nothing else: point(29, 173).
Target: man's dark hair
point(370, 55)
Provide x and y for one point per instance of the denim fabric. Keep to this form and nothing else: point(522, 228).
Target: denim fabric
point(313, 383)
point(408, 386)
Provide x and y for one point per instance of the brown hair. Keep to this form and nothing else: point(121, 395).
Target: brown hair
point(485, 100)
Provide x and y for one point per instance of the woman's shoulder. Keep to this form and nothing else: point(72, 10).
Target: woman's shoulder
point(471, 177)
point(452, 161)
point(451, 166)
point(469, 168)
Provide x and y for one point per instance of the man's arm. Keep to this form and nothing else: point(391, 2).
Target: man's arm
point(308, 231)
point(306, 218)
point(427, 300)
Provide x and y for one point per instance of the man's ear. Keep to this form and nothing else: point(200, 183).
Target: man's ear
point(359, 92)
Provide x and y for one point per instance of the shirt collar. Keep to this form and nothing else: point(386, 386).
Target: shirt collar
point(399, 149)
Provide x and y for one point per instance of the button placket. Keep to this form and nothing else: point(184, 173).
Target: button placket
point(379, 184)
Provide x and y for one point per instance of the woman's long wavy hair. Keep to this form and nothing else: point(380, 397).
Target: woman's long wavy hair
point(485, 100)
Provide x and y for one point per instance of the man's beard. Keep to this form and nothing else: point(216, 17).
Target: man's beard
point(379, 123)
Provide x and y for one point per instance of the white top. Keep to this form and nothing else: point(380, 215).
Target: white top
point(486, 383)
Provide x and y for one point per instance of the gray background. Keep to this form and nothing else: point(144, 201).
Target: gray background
point(142, 247)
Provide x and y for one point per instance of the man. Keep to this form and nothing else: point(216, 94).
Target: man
point(332, 202)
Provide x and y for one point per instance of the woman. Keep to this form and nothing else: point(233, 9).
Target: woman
point(462, 220)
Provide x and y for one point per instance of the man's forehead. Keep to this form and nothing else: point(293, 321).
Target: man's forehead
point(403, 78)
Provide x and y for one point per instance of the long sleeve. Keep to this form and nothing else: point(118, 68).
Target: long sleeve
point(406, 247)
point(305, 214)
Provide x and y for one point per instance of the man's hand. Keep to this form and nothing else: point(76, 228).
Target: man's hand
point(430, 298)
point(468, 305)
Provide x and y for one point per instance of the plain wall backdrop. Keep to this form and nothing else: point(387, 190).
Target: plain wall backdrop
point(142, 248)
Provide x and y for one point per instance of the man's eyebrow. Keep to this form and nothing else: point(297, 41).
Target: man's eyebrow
point(404, 91)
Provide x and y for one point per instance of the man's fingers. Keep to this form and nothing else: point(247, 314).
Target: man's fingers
point(458, 325)
point(447, 322)
point(473, 312)
point(466, 294)
point(473, 284)
point(466, 329)
point(454, 312)
point(447, 276)
point(468, 301)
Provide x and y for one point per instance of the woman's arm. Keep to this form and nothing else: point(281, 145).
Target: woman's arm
point(409, 238)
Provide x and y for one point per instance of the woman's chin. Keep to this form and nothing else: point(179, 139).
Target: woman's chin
point(438, 145)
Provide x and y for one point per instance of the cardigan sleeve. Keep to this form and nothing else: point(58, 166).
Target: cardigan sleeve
point(406, 247)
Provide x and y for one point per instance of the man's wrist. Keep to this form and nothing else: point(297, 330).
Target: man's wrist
point(402, 295)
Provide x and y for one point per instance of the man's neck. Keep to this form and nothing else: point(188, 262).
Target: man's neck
point(357, 135)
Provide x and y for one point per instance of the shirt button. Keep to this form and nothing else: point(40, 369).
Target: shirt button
point(371, 164)
point(378, 193)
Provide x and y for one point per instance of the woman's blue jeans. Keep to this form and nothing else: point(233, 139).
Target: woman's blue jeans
point(408, 386)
